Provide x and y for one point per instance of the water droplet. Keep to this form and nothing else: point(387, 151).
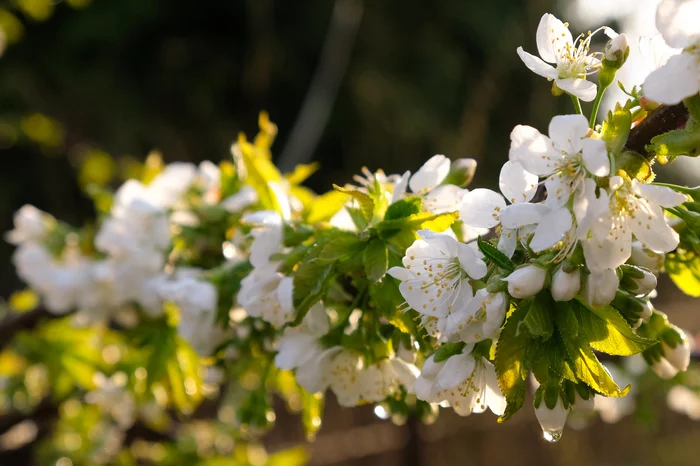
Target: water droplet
point(552, 436)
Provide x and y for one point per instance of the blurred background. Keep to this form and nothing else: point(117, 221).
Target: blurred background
point(89, 88)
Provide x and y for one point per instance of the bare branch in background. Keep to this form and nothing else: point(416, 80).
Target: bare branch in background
point(316, 109)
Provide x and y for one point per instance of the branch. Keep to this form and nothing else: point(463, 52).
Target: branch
point(662, 120)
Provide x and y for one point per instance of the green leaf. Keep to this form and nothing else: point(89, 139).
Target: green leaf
point(434, 222)
point(338, 245)
point(676, 143)
point(301, 173)
point(566, 319)
point(608, 332)
point(162, 347)
point(447, 350)
point(538, 320)
point(325, 206)
point(511, 362)
point(557, 358)
point(616, 129)
point(685, 273)
point(366, 202)
point(311, 281)
point(587, 367)
point(635, 165)
point(404, 208)
point(375, 258)
point(494, 255)
point(260, 173)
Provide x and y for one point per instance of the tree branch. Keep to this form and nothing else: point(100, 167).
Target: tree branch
point(662, 120)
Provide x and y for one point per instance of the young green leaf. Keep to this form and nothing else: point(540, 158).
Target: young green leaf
point(538, 320)
point(494, 255)
point(375, 258)
point(366, 202)
point(608, 332)
point(447, 350)
point(404, 208)
point(511, 362)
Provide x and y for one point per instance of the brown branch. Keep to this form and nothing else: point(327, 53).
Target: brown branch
point(662, 120)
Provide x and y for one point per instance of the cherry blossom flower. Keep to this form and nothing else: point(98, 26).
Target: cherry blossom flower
point(572, 60)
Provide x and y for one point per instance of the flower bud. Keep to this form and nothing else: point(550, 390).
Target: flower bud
point(617, 49)
point(676, 348)
point(664, 369)
point(601, 287)
point(650, 260)
point(566, 285)
point(637, 280)
point(526, 281)
point(461, 172)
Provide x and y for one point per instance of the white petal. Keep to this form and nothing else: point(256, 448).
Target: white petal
point(482, 208)
point(552, 35)
point(400, 187)
point(552, 228)
point(567, 131)
point(610, 253)
point(508, 241)
point(456, 370)
point(677, 21)
point(494, 398)
point(533, 150)
point(517, 184)
point(443, 199)
point(475, 267)
point(584, 90)
point(536, 65)
point(655, 52)
point(560, 187)
point(517, 215)
point(595, 157)
point(400, 273)
point(431, 174)
point(650, 227)
point(661, 195)
point(294, 351)
point(677, 79)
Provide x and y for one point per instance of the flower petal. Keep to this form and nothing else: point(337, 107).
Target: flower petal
point(552, 35)
point(661, 195)
point(431, 174)
point(457, 368)
point(584, 90)
point(677, 79)
point(533, 150)
point(516, 183)
point(567, 131)
point(482, 208)
point(508, 241)
point(536, 65)
point(475, 267)
point(677, 21)
point(595, 157)
point(551, 229)
point(650, 227)
point(494, 398)
point(609, 253)
point(443, 199)
point(518, 215)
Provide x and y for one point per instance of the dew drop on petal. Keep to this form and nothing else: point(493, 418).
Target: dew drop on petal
point(552, 436)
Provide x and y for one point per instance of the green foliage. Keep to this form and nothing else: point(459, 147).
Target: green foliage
point(363, 199)
point(495, 256)
point(538, 320)
point(616, 128)
point(684, 270)
point(511, 363)
point(375, 258)
point(447, 350)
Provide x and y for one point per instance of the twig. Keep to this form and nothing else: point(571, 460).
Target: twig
point(663, 119)
point(316, 108)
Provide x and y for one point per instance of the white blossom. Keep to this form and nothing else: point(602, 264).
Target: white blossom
point(468, 385)
point(572, 60)
point(436, 273)
point(679, 77)
point(30, 225)
point(552, 420)
point(480, 319)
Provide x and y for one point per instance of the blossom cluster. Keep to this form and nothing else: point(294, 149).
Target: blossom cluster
point(409, 291)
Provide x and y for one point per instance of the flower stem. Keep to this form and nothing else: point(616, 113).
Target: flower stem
point(577, 104)
point(596, 106)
